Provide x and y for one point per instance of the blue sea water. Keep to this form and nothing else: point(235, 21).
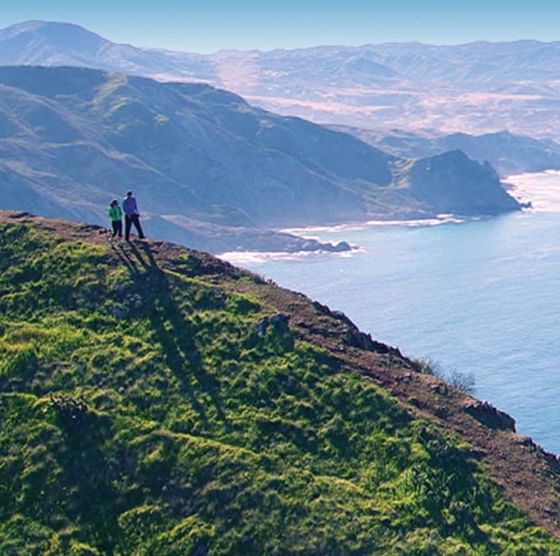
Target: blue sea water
point(480, 297)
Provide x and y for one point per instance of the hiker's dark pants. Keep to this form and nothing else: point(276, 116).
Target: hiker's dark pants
point(128, 221)
point(117, 228)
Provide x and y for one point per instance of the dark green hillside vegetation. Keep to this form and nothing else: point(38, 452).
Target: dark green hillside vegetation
point(153, 401)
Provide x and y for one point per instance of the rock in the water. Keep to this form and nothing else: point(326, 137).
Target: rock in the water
point(341, 247)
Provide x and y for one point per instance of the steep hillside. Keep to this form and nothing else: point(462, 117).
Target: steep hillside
point(202, 161)
point(472, 88)
point(156, 400)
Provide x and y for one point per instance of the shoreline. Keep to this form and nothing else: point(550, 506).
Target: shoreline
point(256, 257)
point(525, 187)
point(406, 223)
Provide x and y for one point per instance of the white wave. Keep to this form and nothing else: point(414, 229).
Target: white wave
point(541, 189)
point(258, 257)
point(437, 221)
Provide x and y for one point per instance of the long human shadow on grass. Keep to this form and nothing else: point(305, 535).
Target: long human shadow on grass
point(174, 333)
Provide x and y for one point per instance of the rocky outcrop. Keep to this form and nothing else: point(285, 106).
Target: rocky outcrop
point(453, 183)
point(352, 336)
point(278, 323)
point(275, 330)
point(489, 416)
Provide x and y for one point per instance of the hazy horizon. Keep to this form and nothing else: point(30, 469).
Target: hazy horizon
point(214, 25)
point(322, 45)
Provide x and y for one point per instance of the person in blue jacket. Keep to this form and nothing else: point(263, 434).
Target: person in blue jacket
point(131, 216)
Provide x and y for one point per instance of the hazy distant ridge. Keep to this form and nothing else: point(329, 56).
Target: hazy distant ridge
point(473, 88)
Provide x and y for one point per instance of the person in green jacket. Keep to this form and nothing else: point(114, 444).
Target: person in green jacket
point(115, 214)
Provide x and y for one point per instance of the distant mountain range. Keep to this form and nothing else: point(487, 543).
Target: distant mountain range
point(212, 170)
point(473, 88)
point(507, 153)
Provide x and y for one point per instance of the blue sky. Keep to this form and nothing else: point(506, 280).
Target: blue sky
point(208, 25)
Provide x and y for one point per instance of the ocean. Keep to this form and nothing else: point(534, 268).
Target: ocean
point(481, 297)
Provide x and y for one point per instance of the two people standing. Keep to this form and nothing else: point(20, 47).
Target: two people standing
point(131, 216)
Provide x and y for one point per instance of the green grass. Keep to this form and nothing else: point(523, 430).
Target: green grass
point(200, 435)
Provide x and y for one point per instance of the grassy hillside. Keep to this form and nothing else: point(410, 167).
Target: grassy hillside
point(154, 401)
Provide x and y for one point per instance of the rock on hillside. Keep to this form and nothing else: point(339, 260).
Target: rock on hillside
point(158, 400)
